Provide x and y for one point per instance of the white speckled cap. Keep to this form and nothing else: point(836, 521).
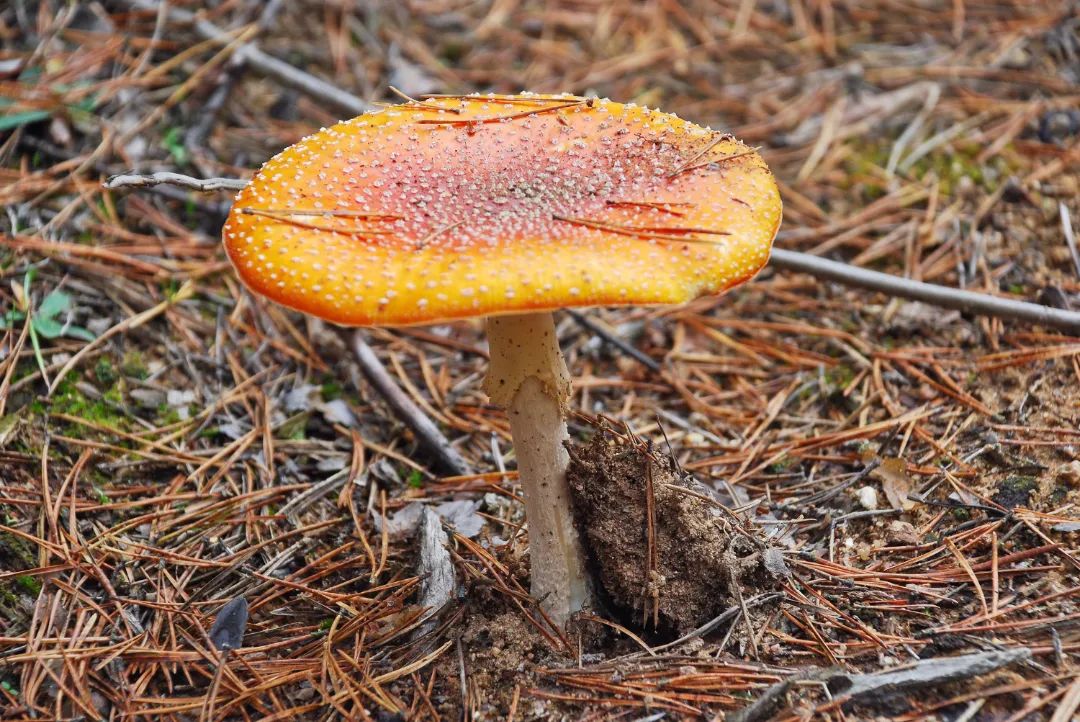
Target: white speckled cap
point(490, 204)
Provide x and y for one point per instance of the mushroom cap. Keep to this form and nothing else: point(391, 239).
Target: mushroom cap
point(461, 206)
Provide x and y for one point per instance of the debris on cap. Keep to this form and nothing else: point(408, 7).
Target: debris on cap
point(461, 206)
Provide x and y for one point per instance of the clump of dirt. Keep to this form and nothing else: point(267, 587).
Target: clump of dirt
point(698, 558)
point(500, 650)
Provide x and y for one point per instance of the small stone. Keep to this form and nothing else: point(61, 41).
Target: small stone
point(773, 560)
point(99, 324)
point(868, 498)
point(901, 533)
point(179, 397)
point(147, 398)
point(1069, 473)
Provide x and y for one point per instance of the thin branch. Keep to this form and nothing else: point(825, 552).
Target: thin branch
point(595, 328)
point(203, 185)
point(969, 301)
point(426, 431)
point(266, 64)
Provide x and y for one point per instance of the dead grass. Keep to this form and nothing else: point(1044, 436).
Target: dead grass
point(208, 446)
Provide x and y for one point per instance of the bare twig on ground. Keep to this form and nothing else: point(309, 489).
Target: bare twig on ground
point(203, 185)
point(969, 301)
point(266, 64)
point(426, 432)
point(628, 349)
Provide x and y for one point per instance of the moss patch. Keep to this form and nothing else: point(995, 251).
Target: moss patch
point(1016, 491)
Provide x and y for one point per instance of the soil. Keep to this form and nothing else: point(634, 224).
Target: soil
point(501, 651)
point(699, 558)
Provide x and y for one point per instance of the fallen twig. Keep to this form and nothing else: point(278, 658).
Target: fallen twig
point(943, 296)
point(426, 432)
point(266, 64)
point(609, 337)
point(203, 185)
point(1070, 237)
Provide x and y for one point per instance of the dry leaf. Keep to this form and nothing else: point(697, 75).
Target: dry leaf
point(895, 482)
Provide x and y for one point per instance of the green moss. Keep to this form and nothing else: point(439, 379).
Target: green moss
point(114, 396)
point(29, 583)
point(949, 164)
point(782, 464)
point(330, 390)
point(840, 376)
point(167, 415)
point(8, 599)
point(1058, 497)
point(69, 400)
point(295, 427)
point(134, 366)
point(15, 547)
point(453, 51)
point(1016, 491)
point(105, 372)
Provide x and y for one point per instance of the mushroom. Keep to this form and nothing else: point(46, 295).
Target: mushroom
point(507, 207)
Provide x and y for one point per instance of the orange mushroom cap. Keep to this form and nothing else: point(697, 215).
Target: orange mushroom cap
point(476, 205)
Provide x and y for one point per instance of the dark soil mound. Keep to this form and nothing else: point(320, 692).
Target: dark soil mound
point(687, 574)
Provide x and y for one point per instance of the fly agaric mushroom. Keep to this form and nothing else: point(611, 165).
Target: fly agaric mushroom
point(507, 207)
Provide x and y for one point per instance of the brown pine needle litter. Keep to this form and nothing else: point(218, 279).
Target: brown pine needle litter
point(876, 498)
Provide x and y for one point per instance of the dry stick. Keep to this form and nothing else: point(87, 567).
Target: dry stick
point(595, 328)
point(235, 68)
point(203, 185)
point(266, 64)
point(943, 296)
point(425, 430)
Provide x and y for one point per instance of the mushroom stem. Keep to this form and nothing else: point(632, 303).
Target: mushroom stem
point(528, 378)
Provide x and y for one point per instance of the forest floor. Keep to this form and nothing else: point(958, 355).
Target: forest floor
point(869, 506)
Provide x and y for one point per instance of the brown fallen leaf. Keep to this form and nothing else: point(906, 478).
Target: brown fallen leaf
point(895, 482)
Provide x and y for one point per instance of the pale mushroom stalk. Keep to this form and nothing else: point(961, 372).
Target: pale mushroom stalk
point(528, 378)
